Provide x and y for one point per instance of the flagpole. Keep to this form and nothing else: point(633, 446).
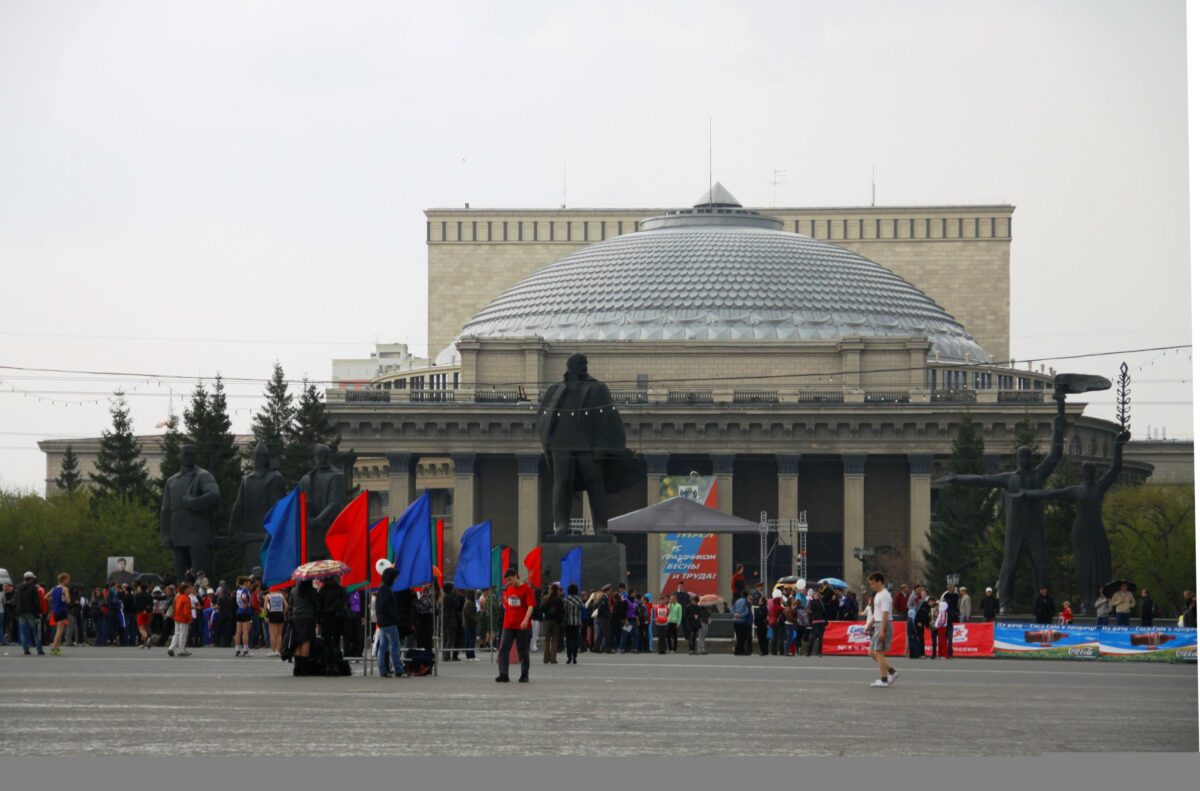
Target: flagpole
point(364, 598)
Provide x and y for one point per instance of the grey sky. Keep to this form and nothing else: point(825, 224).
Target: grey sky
point(162, 163)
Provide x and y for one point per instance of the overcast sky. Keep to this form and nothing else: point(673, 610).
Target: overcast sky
point(188, 188)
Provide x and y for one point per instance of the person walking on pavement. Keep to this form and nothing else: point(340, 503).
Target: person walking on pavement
point(60, 600)
point(879, 627)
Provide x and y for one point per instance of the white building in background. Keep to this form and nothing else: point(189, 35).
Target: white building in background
point(388, 358)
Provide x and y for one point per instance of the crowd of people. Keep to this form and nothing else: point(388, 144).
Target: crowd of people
point(247, 617)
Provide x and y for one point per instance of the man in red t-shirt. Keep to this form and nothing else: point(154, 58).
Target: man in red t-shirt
point(518, 603)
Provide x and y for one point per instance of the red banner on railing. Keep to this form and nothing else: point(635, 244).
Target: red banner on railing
point(850, 638)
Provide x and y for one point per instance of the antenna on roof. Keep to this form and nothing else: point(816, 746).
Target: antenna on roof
point(710, 181)
point(777, 177)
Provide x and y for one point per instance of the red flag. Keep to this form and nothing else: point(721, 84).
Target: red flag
point(533, 564)
point(379, 549)
point(441, 543)
point(347, 540)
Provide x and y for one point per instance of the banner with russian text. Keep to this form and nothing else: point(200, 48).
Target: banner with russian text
point(1044, 641)
point(690, 558)
point(1148, 643)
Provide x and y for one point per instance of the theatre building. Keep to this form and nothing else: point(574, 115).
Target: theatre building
point(805, 360)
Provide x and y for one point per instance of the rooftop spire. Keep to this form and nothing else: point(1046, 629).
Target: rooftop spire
point(717, 196)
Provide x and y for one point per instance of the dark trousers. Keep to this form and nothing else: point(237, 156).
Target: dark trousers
point(916, 640)
point(469, 638)
point(521, 636)
point(331, 642)
point(691, 639)
point(761, 632)
point(602, 633)
point(195, 558)
point(778, 640)
point(741, 639)
point(817, 638)
point(425, 631)
point(572, 642)
point(672, 637)
point(661, 629)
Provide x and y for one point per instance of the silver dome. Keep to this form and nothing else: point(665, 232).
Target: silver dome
point(712, 273)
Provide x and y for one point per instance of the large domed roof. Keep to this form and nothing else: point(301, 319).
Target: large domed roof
point(718, 272)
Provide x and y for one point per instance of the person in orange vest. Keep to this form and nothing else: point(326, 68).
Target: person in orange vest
point(662, 612)
point(182, 615)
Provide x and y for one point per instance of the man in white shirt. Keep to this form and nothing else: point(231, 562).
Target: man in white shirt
point(879, 626)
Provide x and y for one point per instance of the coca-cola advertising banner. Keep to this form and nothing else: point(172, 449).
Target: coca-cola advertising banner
point(1136, 643)
point(850, 638)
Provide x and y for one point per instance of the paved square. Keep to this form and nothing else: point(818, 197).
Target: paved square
point(127, 701)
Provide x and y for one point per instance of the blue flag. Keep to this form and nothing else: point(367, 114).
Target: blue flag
point(474, 569)
point(411, 547)
point(280, 554)
point(572, 569)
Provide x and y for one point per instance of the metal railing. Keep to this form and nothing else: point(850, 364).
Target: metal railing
point(821, 397)
point(630, 397)
point(429, 396)
point(494, 396)
point(689, 397)
point(368, 396)
point(887, 397)
point(1020, 396)
point(952, 396)
point(755, 397)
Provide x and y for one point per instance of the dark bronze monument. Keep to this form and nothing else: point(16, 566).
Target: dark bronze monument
point(260, 490)
point(1023, 528)
point(325, 487)
point(189, 508)
point(584, 442)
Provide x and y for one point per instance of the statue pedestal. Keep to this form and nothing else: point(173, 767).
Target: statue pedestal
point(603, 558)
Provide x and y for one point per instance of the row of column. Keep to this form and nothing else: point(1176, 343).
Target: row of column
point(402, 491)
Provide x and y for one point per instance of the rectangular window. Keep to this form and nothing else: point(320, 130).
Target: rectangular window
point(845, 225)
point(620, 227)
point(933, 379)
point(443, 230)
point(943, 227)
point(520, 231)
point(474, 231)
point(960, 228)
point(860, 228)
point(895, 229)
point(976, 227)
point(812, 228)
point(796, 226)
point(585, 230)
point(926, 227)
point(504, 230)
point(535, 230)
point(877, 227)
point(603, 230)
point(551, 231)
point(912, 224)
point(459, 237)
point(993, 227)
point(456, 380)
point(489, 230)
point(428, 231)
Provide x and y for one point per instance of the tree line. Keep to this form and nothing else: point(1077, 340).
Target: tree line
point(114, 511)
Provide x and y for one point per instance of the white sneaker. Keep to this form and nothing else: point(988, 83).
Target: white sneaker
point(247, 653)
point(892, 676)
point(879, 682)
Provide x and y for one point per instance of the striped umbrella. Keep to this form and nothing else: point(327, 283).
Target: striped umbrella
point(320, 569)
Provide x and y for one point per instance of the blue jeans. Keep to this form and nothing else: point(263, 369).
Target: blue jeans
point(625, 638)
point(1101, 620)
point(101, 624)
point(1122, 619)
point(469, 640)
point(31, 632)
point(389, 643)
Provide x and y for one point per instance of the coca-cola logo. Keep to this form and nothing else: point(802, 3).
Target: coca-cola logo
point(1083, 651)
point(1188, 654)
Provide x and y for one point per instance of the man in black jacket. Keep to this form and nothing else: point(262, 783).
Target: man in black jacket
point(29, 613)
point(1148, 608)
point(989, 605)
point(1043, 606)
point(387, 617)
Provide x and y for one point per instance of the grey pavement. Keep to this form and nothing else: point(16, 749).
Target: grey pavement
point(107, 701)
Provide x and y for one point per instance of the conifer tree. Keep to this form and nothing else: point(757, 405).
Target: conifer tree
point(69, 480)
point(173, 439)
point(120, 468)
point(207, 422)
point(964, 513)
point(273, 423)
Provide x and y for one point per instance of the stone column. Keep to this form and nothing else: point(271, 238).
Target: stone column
point(789, 493)
point(463, 515)
point(723, 470)
point(529, 533)
point(656, 467)
point(854, 529)
point(920, 468)
point(402, 482)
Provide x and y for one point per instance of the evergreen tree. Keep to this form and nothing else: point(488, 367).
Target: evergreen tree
point(173, 439)
point(311, 427)
point(207, 422)
point(69, 480)
point(273, 423)
point(120, 468)
point(963, 512)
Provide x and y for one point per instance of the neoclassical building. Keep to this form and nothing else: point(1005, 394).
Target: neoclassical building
point(803, 375)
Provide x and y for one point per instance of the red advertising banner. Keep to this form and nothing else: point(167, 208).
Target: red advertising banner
point(970, 640)
point(850, 638)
